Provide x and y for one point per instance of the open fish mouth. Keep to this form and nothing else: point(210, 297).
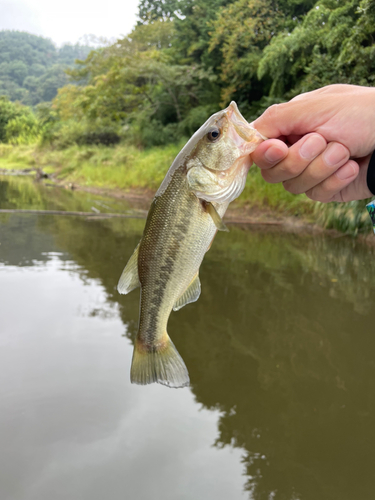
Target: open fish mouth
point(244, 136)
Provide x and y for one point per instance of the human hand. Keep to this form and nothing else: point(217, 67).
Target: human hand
point(332, 136)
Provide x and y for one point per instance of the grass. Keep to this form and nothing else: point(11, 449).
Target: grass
point(123, 167)
point(126, 167)
point(16, 157)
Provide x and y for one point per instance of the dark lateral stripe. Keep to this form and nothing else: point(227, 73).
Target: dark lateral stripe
point(169, 258)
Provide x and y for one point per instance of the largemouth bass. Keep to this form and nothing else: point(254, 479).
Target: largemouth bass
point(187, 211)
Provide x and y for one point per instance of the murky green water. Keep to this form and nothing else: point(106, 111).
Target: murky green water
point(280, 348)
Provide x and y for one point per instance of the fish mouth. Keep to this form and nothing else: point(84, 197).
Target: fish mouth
point(245, 137)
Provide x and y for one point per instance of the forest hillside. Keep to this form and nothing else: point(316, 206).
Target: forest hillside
point(32, 68)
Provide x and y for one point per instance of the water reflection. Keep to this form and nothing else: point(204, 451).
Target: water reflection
point(280, 343)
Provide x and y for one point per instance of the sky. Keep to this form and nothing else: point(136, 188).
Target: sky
point(69, 20)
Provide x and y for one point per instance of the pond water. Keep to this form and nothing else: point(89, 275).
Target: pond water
point(280, 348)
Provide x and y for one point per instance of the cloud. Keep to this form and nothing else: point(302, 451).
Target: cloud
point(18, 16)
point(68, 21)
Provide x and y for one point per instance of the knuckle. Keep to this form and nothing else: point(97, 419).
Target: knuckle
point(310, 195)
point(333, 87)
point(290, 169)
point(292, 188)
point(313, 196)
point(272, 112)
point(321, 193)
point(294, 169)
point(325, 191)
point(339, 197)
point(265, 175)
point(268, 176)
point(338, 86)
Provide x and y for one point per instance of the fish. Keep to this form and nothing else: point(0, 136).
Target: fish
point(209, 172)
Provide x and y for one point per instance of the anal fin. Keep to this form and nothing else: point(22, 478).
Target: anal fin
point(218, 221)
point(191, 294)
point(129, 279)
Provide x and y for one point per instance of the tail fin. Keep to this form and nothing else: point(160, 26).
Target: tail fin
point(159, 363)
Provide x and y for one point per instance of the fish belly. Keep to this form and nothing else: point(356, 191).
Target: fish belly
point(177, 235)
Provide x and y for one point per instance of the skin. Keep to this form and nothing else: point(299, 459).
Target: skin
point(180, 227)
point(320, 143)
point(173, 245)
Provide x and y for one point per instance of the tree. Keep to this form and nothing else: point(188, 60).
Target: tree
point(333, 44)
point(242, 31)
point(8, 110)
point(137, 81)
point(32, 68)
point(18, 124)
point(152, 10)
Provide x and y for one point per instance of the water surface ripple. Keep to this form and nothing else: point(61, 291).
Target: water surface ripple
point(280, 348)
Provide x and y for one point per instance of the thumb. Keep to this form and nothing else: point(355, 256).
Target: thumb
point(289, 118)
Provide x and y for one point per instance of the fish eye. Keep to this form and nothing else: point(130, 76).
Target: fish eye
point(213, 135)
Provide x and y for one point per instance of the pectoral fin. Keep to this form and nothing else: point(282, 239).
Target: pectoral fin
point(218, 221)
point(191, 294)
point(129, 279)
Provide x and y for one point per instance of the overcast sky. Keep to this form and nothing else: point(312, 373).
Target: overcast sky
point(68, 20)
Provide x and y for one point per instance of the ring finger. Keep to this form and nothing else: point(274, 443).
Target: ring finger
point(323, 166)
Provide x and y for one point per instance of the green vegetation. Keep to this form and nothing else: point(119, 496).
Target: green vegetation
point(32, 68)
point(128, 107)
point(127, 167)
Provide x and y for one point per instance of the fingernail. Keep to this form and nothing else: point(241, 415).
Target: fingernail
point(312, 147)
point(274, 154)
point(335, 154)
point(346, 171)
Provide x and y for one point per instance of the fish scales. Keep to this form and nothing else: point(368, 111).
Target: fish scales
point(184, 217)
point(177, 234)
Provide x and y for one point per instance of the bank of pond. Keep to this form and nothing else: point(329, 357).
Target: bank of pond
point(127, 168)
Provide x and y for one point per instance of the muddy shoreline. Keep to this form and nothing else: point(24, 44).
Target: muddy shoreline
point(238, 214)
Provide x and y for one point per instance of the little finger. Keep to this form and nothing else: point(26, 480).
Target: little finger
point(330, 188)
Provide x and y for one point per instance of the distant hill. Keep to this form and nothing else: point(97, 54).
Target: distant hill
point(32, 68)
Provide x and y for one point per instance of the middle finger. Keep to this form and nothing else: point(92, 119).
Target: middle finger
point(300, 155)
point(322, 167)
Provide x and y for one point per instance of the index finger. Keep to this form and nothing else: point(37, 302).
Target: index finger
point(291, 118)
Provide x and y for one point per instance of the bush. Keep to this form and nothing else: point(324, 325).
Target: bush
point(195, 118)
point(8, 111)
point(149, 133)
point(72, 132)
point(23, 129)
point(18, 123)
point(351, 218)
point(104, 137)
